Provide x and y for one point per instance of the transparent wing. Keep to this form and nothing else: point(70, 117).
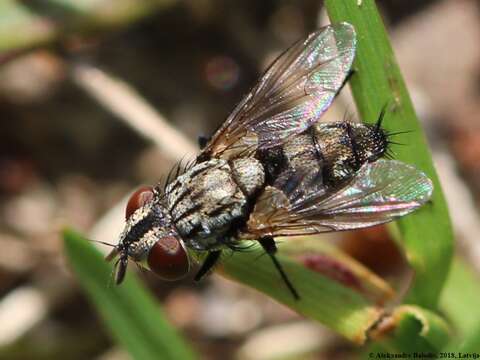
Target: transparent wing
point(292, 94)
point(380, 192)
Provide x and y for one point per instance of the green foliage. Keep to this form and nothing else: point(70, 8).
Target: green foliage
point(27, 24)
point(426, 238)
point(343, 309)
point(416, 329)
point(459, 303)
point(427, 235)
point(129, 311)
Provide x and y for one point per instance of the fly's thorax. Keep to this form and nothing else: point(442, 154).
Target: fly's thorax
point(209, 198)
point(249, 174)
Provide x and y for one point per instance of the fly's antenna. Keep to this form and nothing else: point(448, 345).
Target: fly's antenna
point(110, 257)
point(101, 242)
point(111, 278)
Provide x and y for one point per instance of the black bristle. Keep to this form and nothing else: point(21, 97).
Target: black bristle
point(178, 169)
point(398, 132)
point(395, 143)
point(381, 117)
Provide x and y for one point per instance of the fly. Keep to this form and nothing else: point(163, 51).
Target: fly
point(275, 169)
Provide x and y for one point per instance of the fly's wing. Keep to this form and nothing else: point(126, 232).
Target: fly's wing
point(292, 94)
point(379, 192)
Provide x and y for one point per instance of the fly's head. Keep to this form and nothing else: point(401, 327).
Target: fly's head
point(150, 238)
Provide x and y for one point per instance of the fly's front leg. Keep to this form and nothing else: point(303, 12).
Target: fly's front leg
point(209, 262)
point(268, 244)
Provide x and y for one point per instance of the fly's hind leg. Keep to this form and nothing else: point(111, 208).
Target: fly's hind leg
point(209, 262)
point(268, 244)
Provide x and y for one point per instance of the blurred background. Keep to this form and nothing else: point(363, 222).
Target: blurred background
point(100, 96)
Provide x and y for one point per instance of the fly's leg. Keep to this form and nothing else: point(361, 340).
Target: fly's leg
point(209, 262)
point(203, 141)
point(347, 79)
point(268, 244)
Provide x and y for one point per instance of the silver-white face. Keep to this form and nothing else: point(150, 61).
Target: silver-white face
point(145, 227)
point(137, 247)
point(148, 225)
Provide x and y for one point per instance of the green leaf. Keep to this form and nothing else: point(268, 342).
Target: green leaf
point(341, 308)
point(426, 236)
point(333, 262)
point(409, 329)
point(129, 311)
point(138, 323)
point(471, 343)
point(25, 24)
point(432, 330)
point(459, 303)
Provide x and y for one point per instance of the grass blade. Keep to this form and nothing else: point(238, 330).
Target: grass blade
point(129, 311)
point(26, 24)
point(426, 236)
point(459, 303)
point(408, 330)
point(339, 307)
point(138, 324)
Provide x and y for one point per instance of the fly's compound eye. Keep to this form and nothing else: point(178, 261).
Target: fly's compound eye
point(138, 199)
point(168, 259)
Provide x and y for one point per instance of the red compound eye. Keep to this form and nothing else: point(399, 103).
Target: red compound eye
point(168, 259)
point(138, 199)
